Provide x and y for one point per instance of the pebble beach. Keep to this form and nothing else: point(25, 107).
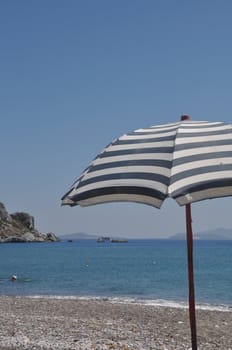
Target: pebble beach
point(53, 323)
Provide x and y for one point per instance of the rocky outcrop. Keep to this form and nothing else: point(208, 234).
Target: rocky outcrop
point(20, 227)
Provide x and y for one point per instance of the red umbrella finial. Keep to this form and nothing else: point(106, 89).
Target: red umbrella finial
point(185, 117)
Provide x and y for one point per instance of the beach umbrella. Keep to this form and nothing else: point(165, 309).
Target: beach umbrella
point(188, 161)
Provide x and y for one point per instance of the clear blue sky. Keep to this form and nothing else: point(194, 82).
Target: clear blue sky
point(76, 74)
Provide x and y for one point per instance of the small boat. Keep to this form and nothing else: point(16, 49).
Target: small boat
point(103, 239)
point(119, 240)
point(100, 240)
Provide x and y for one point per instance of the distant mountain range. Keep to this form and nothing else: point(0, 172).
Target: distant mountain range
point(216, 234)
point(78, 235)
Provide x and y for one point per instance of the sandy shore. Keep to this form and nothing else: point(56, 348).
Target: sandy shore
point(45, 323)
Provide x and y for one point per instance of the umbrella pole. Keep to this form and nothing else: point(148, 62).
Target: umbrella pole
point(191, 277)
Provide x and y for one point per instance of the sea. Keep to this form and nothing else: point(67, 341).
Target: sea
point(139, 271)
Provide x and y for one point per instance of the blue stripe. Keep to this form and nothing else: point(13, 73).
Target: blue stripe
point(205, 156)
point(205, 134)
point(121, 176)
point(188, 145)
point(118, 190)
point(201, 187)
point(201, 171)
point(127, 163)
point(152, 150)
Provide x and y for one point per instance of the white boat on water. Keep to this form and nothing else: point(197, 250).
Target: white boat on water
point(100, 240)
point(112, 240)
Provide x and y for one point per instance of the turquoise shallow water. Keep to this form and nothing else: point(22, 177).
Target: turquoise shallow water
point(145, 270)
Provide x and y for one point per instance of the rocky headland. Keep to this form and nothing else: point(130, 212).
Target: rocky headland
point(20, 227)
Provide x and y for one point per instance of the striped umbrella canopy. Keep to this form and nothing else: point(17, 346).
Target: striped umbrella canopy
point(188, 161)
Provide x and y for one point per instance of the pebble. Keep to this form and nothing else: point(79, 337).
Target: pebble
point(78, 324)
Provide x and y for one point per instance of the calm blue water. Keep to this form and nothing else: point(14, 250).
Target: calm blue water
point(148, 270)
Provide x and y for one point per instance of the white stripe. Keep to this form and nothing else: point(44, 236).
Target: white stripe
point(195, 179)
point(122, 198)
point(184, 123)
point(128, 169)
point(186, 129)
point(67, 201)
point(190, 123)
point(138, 157)
point(121, 182)
point(200, 164)
point(164, 127)
point(193, 139)
point(201, 150)
point(146, 136)
point(205, 194)
point(114, 148)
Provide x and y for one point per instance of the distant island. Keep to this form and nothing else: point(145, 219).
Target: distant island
point(100, 239)
point(76, 236)
point(216, 234)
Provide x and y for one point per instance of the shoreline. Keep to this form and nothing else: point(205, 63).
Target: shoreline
point(131, 300)
point(42, 323)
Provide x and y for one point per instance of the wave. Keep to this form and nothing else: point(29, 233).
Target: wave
point(136, 301)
